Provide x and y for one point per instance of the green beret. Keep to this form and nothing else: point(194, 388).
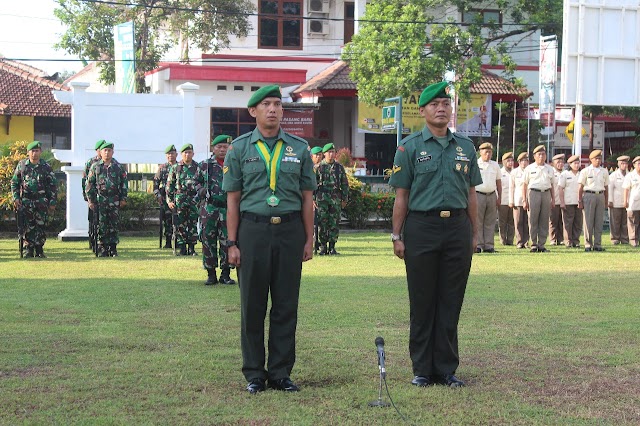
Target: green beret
point(186, 147)
point(99, 144)
point(34, 145)
point(272, 91)
point(437, 90)
point(327, 147)
point(106, 144)
point(169, 149)
point(316, 150)
point(221, 139)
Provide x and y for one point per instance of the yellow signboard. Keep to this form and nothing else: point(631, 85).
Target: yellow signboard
point(569, 131)
point(370, 117)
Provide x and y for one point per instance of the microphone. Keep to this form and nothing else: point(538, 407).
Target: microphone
point(380, 348)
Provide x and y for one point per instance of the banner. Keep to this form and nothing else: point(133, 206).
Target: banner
point(124, 58)
point(298, 122)
point(370, 117)
point(548, 76)
point(474, 117)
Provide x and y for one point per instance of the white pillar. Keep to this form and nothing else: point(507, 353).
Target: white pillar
point(188, 92)
point(77, 209)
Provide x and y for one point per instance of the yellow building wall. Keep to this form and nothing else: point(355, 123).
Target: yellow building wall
point(20, 129)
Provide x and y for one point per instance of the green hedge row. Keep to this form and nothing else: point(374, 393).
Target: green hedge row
point(366, 209)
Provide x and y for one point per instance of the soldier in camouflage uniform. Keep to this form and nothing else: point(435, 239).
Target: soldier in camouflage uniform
point(213, 213)
point(330, 198)
point(87, 166)
point(159, 190)
point(183, 184)
point(316, 158)
point(34, 189)
point(107, 189)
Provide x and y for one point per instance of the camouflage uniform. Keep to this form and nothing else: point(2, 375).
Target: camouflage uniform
point(159, 190)
point(333, 188)
point(213, 215)
point(183, 184)
point(36, 187)
point(106, 187)
point(87, 167)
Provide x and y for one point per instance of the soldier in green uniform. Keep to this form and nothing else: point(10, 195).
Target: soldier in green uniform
point(87, 166)
point(316, 158)
point(269, 180)
point(107, 188)
point(34, 189)
point(183, 184)
point(434, 230)
point(213, 213)
point(159, 190)
point(330, 197)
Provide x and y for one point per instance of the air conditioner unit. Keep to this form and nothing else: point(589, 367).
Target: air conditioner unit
point(318, 6)
point(318, 26)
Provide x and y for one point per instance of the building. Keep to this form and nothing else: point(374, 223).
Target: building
point(28, 110)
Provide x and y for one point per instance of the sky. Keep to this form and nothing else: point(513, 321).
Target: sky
point(29, 31)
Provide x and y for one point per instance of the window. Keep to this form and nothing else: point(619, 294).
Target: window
point(231, 121)
point(280, 24)
point(484, 16)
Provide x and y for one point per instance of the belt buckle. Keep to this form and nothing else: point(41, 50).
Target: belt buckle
point(275, 220)
point(445, 213)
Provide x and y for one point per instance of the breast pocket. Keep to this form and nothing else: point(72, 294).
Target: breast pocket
point(425, 173)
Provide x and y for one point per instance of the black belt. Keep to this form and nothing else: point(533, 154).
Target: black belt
point(539, 190)
point(273, 220)
point(440, 213)
point(594, 192)
point(216, 203)
point(486, 193)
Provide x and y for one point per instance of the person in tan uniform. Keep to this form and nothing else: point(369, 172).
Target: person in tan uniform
point(568, 192)
point(538, 199)
point(488, 202)
point(505, 213)
point(592, 196)
point(555, 217)
point(617, 212)
point(520, 215)
point(631, 187)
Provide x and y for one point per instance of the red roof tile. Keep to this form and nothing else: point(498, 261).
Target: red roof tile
point(24, 90)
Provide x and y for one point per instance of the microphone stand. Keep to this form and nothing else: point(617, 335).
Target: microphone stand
point(380, 402)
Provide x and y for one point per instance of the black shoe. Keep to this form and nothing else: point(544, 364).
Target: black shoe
point(449, 380)
point(183, 250)
point(103, 251)
point(40, 252)
point(533, 250)
point(323, 251)
point(167, 244)
point(113, 252)
point(212, 279)
point(284, 385)
point(543, 250)
point(598, 249)
point(255, 386)
point(490, 250)
point(520, 246)
point(225, 277)
point(478, 250)
point(332, 249)
point(29, 251)
point(587, 249)
point(191, 251)
point(422, 381)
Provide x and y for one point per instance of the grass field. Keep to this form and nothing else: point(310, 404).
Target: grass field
point(544, 339)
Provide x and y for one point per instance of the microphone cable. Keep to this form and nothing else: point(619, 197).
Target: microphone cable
point(402, 416)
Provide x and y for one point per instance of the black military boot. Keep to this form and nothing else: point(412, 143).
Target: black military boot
point(192, 250)
point(103, 251)
point(323, 250)
point(40, 252)
point(332, 249)
point(225, 278)
point(183, 250)
point(29, 252)
point(113, 252)
point(212, 279)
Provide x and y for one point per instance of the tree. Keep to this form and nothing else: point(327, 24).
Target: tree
point(159, 25)
point(403, 44)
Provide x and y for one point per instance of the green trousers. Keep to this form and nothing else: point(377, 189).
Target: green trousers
point(438, 259)
point(271, 263)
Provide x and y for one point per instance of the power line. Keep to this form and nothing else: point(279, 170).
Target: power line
point(29, 17)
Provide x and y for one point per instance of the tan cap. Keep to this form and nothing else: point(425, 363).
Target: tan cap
point(624, 158)
point(507, 155)
point(595, 153)
point(636, 159)
point(486, 145)
point(558, 157)
point(539, 148)
point(573, 158)
point(523, 155)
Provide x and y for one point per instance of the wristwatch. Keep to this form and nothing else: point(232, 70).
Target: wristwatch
point(231, 243)
point(396, 237)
